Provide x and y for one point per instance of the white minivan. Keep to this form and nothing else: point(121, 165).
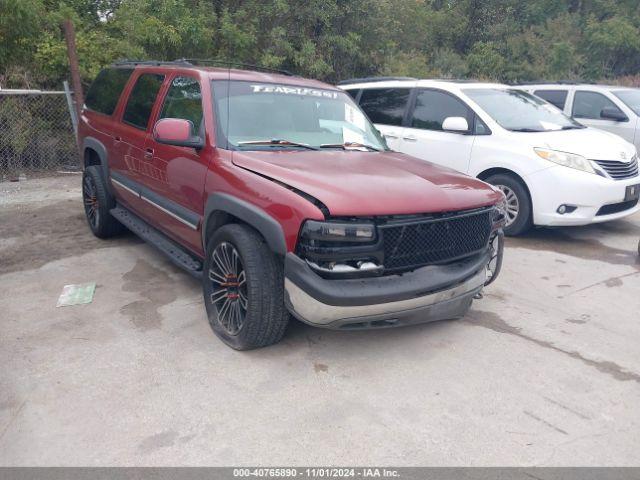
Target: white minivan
point(611, 108)
point(552, 169)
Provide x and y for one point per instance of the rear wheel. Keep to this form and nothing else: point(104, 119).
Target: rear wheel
point(518, 210)
point(243, 286)
point(97, 203)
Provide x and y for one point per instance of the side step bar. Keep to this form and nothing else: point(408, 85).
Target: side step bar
point(177, 254)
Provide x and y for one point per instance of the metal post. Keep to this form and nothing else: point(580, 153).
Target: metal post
point(72, 109)
point(70, 37)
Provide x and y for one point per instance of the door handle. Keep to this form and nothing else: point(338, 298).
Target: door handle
point(410, 138)
point(391, 135)
point(148, 153)
point(118, 139)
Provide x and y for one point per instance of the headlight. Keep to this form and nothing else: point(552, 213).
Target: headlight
point(338, 231)
point(570, 160)
point(341, 249)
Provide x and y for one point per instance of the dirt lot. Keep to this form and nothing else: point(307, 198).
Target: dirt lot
point(545, 370)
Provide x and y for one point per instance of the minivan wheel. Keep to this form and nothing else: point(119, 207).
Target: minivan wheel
point(243, 285)
point(97, 203)
point(517, 203)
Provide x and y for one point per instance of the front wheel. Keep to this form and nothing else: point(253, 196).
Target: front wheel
point(243, 285)
point(518, 210)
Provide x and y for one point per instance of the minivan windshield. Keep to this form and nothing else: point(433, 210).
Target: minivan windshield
point(520, 111)
point(631, 98)
point(266, 116)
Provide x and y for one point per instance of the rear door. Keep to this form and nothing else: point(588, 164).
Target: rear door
point(178, 184)
point(387, 109)
point(424, 138)
point(586, 109)
point(133, 169)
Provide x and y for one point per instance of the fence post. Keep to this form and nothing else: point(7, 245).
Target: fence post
point(70, 37)
point(72, 109)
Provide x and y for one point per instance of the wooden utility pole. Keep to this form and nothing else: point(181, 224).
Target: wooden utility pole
point(70, 37)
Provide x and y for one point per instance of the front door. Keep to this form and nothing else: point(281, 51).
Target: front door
point(424, 138)
point(180, 172)
point(587, 107)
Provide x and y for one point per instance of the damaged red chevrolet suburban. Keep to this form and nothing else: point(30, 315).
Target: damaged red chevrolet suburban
point(279, 194)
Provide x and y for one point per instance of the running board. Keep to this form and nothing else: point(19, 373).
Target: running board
point(177, 254)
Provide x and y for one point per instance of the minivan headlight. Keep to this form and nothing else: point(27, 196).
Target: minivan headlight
point(571, 160)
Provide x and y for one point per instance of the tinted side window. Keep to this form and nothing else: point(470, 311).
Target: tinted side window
point(433, 107)
point(141, 100)
point(590, 104)
point(105, 90)
point(385, 105)
point(554, 97)
point(184, 100)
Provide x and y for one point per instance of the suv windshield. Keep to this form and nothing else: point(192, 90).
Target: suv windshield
point(260, 116)
point(631, 98)
point(520, 111)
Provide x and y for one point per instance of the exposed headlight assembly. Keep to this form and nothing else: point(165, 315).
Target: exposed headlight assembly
point(338, 231)
point(571, 160)
point(344, 249)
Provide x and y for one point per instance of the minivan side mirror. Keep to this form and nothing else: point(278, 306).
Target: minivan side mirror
point(178, 132)
point(612, 113)
point(455, 125)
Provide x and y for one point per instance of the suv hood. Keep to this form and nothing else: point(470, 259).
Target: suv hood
point(589, 142)
point(355, 183)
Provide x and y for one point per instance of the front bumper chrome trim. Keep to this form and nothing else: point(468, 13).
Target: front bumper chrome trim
point(312, 311)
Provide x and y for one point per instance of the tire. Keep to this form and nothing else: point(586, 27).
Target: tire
point(97, 203)
point(517, 200)
point(241, 272)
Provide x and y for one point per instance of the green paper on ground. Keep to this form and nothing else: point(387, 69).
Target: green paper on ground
point(76, 294)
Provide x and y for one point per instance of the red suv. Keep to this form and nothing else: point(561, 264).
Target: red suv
point(282, 197)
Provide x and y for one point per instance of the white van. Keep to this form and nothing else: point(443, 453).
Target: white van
point(610, 108)
point(552, 169)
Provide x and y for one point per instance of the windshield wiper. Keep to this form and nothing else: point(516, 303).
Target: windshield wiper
point(347, 145)
point(278, 142)
point(524, 129)
point(573, 127)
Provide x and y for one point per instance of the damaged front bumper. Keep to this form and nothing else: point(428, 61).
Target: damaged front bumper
point(430, 293)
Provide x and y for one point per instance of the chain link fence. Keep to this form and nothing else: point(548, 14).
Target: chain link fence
point(36, 133)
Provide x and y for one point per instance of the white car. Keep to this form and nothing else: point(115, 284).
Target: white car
point(552, 170)
point(610, 108)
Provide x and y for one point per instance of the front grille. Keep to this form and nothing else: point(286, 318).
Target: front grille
point(616, 207)
point(620, 170)
point(435, 240)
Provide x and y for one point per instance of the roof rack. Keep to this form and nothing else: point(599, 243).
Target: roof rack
point(372, 79)
point(153, 63)
point(555, 82)
point(195, 62)
point(230, 64)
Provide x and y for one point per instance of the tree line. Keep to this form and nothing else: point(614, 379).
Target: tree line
point(503, 40)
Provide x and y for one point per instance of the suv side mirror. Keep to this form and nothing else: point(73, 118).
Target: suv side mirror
point(455, 125)
point(612, 113)
point(178, 132)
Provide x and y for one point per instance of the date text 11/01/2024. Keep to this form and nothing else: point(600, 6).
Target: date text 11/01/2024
point(317, 472)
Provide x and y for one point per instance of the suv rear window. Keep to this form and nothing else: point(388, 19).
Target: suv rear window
point(105, 90)
point(554, 97)
point(385, 105)
point(141, 100)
